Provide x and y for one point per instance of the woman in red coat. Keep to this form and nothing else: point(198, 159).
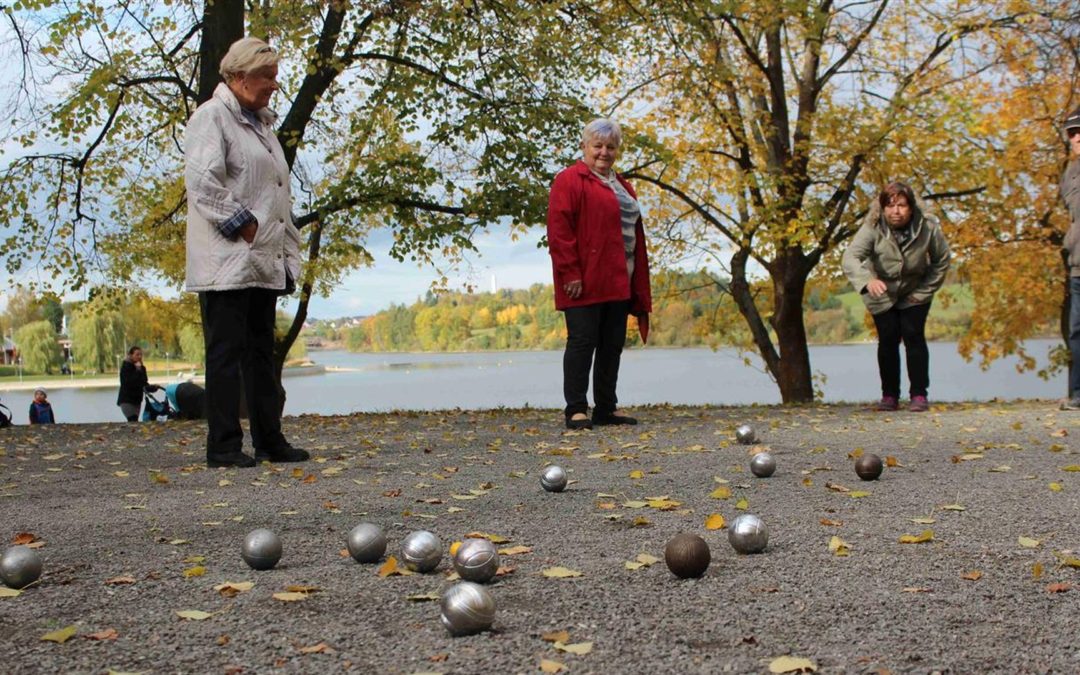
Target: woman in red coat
point(601, 269)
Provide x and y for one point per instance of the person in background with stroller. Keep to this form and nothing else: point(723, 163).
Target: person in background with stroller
point(133, 384)
point(41, 411)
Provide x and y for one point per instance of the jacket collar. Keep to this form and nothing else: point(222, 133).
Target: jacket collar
point(228, 99)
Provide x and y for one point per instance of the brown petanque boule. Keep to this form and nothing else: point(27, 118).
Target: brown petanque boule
point(868, 466)
point(687, 556)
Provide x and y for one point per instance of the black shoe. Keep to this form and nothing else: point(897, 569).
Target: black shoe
point(605, 420)
point(237, 459)
point(584, 423)
point(286, 454)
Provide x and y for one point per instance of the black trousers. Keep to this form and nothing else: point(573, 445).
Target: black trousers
point(595, 335)
point(238, 329)
point(908, 326)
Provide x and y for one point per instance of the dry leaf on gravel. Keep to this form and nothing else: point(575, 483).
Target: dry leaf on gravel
point(973, 575)
point(714, 522)
point(722, 492)
point(1028, 542)
point(925, 536)
point(423, 597)
point(193, 614)
point(548, 666)
point(561, 573)
point(9, 592)
point(579, 648)
point(290, 596)
point(60, 636)
point(515, 550)
point(839, 547)
point(1058, 588)
point(953, 507)
point(556, 636)
point(231, 589)
point(391, 568)
point(106, 634)
point(194, 572)
point(119, 581)
point(321, 648)
point(791, 664)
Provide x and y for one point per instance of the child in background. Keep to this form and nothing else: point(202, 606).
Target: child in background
point(41, 411)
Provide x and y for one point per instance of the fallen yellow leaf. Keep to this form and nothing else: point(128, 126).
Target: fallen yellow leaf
point(1055, 487)
point(9, 592)
point(561, 573)
point(839, 547)
point(194, 572)
point(791, 664)
point(1028, 542)
point(953, 507)
point(548, 666)
point(515, 550)
point(714, 522)
point(742, 504)
point(858, 494)
point(637, 473)
point(973, 575)
point(290, 596)
point(60, 636)
point(1036, 570)
point(556, 636)
point(579, 648)
point(231, 589)
point(193, 614)
point(927, 535)
point(722, 492)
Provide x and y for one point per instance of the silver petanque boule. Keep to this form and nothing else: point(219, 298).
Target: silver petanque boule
point(744, 434)
point(367, 543)
point(476, 560)
point(553, 478)
point(763, 465)
point(261, 549)
point(421, 551)
point(467, 608)
point(748, 534)
point(20, 566)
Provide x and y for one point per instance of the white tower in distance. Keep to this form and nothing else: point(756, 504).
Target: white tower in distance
point(494, 284)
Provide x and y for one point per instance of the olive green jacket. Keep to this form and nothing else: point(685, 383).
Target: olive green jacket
point(1070, 193)
point(911, 275)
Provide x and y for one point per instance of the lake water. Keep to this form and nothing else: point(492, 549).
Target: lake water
point(380, 382)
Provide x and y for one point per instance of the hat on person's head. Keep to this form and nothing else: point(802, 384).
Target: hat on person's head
point(40, 391)
point(1072, 121)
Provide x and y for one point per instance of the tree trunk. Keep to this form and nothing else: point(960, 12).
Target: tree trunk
point(793, 374)
point(222, 25)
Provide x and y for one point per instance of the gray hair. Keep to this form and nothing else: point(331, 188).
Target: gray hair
point(245, 55)
point(603, 129)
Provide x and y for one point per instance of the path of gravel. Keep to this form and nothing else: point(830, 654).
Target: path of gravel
point(114, 501)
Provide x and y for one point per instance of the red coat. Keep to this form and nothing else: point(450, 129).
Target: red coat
point(584, 230)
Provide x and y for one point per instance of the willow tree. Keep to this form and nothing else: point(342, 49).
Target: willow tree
point(765, 128)
point(428, 118)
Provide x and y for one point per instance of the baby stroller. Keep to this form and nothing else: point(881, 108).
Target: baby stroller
point(157, 409)
point(187, 399)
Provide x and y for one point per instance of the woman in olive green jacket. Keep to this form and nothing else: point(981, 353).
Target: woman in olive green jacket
point(897, 262)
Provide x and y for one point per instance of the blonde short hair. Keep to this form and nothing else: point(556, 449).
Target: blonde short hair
point(603, 129)
point(245, 55)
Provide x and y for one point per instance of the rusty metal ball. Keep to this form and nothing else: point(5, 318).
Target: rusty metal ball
point(261, 549)
point(744, 434)
point(367, 543)
point(868, 466)
point(687, 556)
point(421, 551)
point(20, 566)
point(476, 560)
point(763, 465)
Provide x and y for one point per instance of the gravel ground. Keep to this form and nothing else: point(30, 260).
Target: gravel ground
point(111, 501)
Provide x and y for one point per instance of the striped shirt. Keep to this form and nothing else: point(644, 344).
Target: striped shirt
point(629, 213)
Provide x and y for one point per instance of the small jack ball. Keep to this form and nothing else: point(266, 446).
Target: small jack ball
point(868, 466)
point(687, 556)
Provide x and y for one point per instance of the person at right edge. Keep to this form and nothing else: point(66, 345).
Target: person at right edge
point(897, 261)
point(601, 271)
point(242, 252)
point(1070, 192)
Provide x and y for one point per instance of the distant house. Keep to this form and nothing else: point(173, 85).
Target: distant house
point(11, 352)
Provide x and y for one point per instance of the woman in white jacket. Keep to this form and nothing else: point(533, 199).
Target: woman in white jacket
point(242, 252)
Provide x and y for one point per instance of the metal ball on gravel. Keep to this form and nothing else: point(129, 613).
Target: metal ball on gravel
point(421, 551)
point(763, 465)
point(687, 556)
point(20, 566)
point(467, 608)
point(476, 560)
point(367, 543)
point(744, 434)
point(553, 478)
point(261, 549)
point(748, 534)
point(868, 466)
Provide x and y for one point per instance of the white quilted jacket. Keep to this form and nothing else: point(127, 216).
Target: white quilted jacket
point(230, 165)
